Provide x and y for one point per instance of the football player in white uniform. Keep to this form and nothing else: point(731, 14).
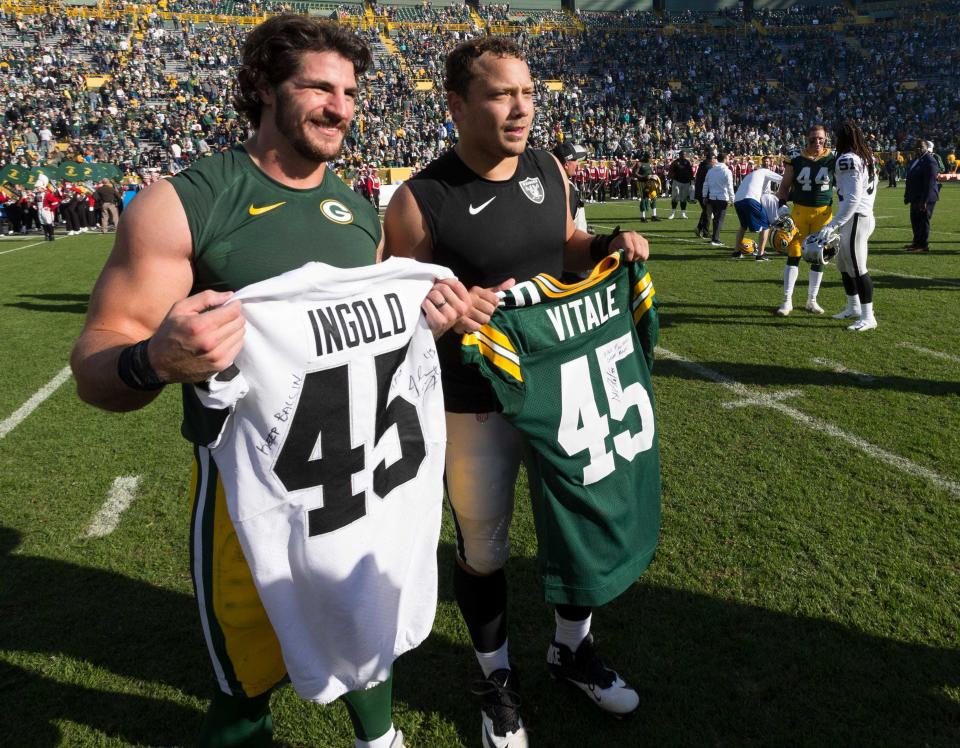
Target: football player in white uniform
point(856, 179)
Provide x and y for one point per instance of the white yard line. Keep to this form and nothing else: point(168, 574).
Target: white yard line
point(762, 399)
point(917, 277)
point(928, 352)
point(837, 367)
point(31, 405)
point(812, 422)
point(26, 246)
point(122, 494)
point(701, 242)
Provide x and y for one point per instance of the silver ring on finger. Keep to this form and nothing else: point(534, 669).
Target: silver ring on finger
point(438, 304)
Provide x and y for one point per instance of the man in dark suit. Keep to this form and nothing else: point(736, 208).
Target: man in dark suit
point(921, 195)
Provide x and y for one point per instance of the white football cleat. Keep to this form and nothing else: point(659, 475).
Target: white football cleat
point(501, 726)
point(671, 216)
point(863, 325)
point(813, 307)
point(785, 308)
point(848, 313)
point(585, 670)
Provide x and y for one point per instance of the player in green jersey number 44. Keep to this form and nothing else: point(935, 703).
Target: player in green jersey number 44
point(808, 180)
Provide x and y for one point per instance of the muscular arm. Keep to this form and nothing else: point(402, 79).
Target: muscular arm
point(406, 235)
point(404, 228)
point(141, 293)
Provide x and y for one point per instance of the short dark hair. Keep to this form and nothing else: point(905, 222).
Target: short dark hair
point(459, 68)
point(273, 50)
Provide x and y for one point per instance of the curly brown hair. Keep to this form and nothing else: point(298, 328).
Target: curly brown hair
point(459, 68)
point(273, 50)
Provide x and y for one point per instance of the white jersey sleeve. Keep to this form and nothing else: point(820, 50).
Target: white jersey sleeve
point(771, 206)
point(856, 191)
point(331, 460)
point(756, 184)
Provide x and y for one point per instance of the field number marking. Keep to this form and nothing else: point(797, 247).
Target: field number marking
point(31, 405)
point(122, 494)
point(816, 424)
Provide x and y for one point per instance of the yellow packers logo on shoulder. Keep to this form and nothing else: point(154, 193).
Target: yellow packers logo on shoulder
point(259, 211)
point(336, 211)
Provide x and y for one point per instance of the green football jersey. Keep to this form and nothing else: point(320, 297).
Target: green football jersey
point(813, 179)
point(247, 227)
point(570, 365)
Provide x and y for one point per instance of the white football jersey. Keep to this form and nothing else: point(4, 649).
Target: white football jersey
point(332, 463)
point(756, 184)
point(856, 191)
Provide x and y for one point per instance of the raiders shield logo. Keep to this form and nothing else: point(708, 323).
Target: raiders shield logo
point(533, 189)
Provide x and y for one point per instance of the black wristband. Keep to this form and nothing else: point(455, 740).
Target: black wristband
point(600, 245)
point(134, 368)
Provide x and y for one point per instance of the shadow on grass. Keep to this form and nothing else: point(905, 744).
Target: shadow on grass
point(709, 671)
point(784, 376)
point(889, 279)
point(756, 316)
point(72, 303)
point(121, 625)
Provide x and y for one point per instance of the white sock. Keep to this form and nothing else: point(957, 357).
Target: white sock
point(571, 633)
point(653, 212)
point(490, 661)
point(382, 742)
point(866, 311)
point(853, 303)
point(813, 289)
point(790, 273)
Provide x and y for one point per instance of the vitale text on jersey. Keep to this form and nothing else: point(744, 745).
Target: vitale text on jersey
point(347, 325)
point(583, 314)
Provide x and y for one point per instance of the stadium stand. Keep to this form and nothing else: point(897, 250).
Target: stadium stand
point(148, 86)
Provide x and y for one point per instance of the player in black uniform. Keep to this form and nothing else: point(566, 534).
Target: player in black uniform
point(496, 212)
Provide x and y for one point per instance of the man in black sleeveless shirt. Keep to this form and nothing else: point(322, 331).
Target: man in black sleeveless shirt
point(496, 212)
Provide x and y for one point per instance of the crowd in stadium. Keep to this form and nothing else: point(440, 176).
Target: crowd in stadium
point(165, 97)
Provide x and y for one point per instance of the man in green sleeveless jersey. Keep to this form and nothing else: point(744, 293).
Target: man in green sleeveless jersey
point(808, 183)
point(182, 247)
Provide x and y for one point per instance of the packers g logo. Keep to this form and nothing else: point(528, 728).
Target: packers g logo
point(336, 211)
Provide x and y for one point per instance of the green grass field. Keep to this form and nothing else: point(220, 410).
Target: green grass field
point(806, 590)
